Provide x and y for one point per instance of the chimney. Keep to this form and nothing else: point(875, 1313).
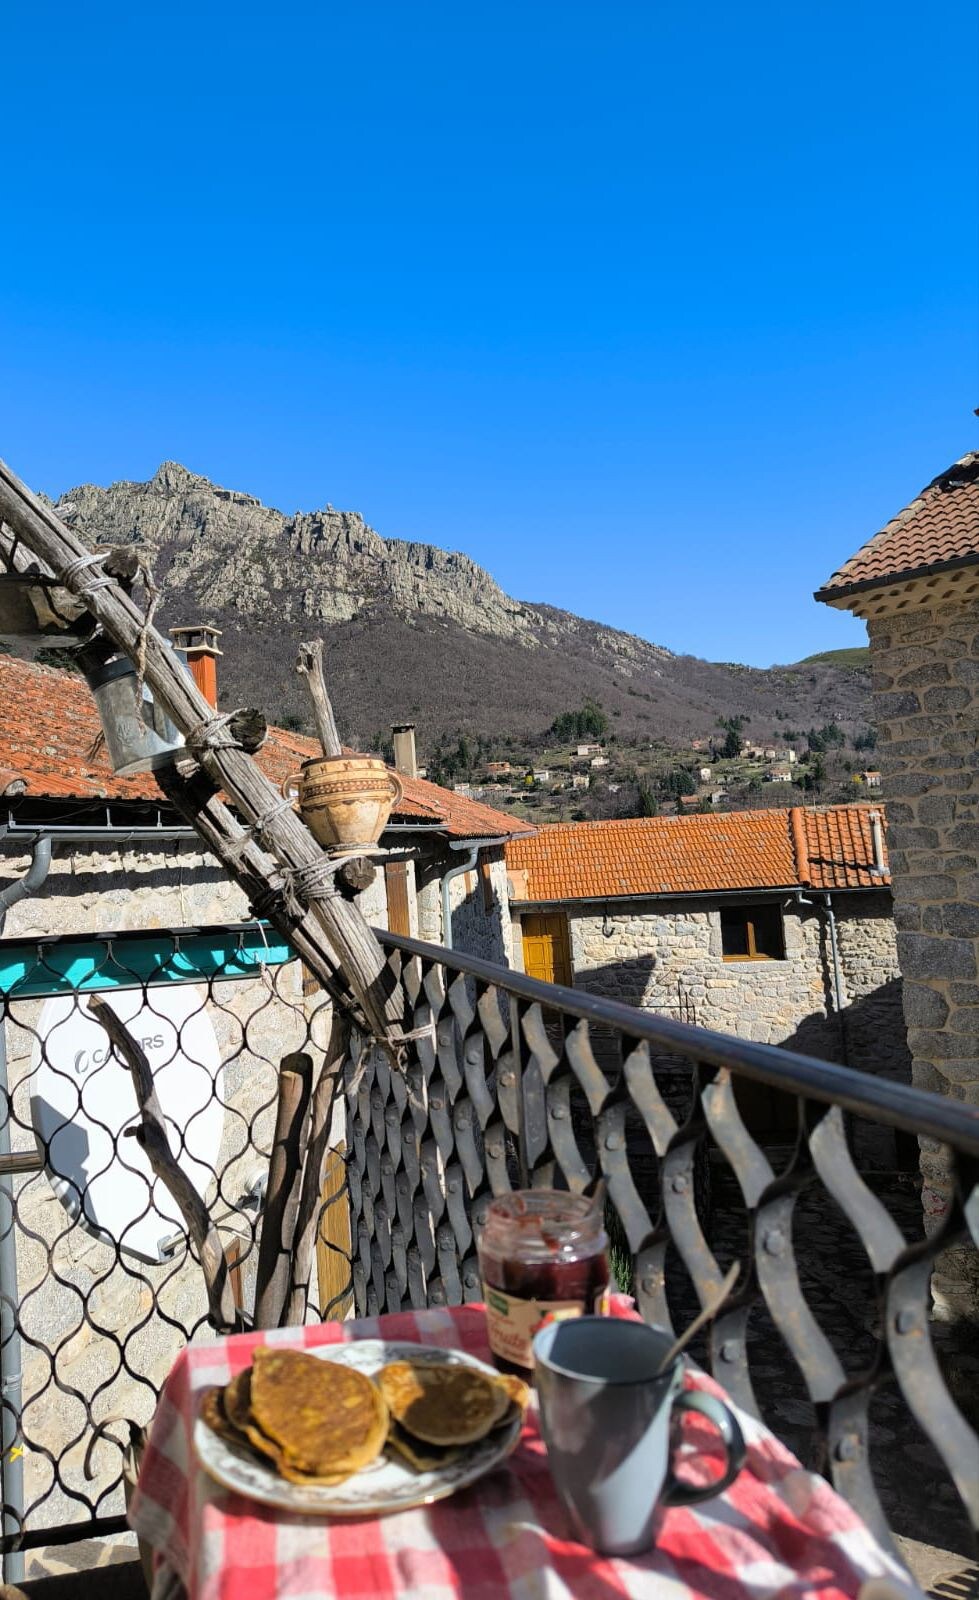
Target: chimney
point(405, 759)
point(200, 645)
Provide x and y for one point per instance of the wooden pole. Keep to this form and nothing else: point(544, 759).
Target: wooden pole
point(151, 1136)
point(281, 1210)
point(355, 950)
point(324, 1099)
point(309, 665)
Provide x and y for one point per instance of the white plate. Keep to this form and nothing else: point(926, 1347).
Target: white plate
point(383, 1486)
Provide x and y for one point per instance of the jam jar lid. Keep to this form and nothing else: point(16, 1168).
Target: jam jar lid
point(544, 1225)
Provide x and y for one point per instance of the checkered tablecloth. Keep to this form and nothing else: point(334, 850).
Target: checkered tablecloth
point(778, 1530)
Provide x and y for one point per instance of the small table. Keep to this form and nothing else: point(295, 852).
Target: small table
point(778, 1530)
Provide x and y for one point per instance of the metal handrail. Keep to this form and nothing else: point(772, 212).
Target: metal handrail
point(899, 1105)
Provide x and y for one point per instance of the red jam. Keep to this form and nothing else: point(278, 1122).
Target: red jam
point(542, 1253)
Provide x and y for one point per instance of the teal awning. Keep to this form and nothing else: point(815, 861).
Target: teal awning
point(73, 965)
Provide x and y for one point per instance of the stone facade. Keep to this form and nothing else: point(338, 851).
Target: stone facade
point(926, 688)
point(666, 956)
point(478, 904)
point(70, 1284)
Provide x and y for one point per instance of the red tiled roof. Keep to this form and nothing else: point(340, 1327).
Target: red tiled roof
point(49, 724)
point(939, 529)
point(704, 854)
point(840, 848)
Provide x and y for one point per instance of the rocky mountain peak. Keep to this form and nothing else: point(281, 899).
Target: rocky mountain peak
point(413, 632)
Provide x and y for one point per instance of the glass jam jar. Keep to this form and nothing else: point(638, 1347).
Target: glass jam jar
point(542, 1253)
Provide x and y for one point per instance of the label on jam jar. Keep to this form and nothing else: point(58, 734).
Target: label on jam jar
point(512, 1321)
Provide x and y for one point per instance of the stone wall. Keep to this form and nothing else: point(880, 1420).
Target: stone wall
point(71, 1285)
point(667, 956)
point(68, 1280)
point(479, 928)
point(652, 958)
point(926, 694)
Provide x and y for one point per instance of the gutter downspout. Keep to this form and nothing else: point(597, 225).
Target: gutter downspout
point(472, 848)
point(12, 1463)
point(800, 847)
point(827, 910)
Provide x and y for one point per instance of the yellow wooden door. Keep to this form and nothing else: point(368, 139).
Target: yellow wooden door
point(547, 947)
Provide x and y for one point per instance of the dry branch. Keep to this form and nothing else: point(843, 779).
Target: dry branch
point(272, 1286)
point(310, 1202)
point(309, 665)
point(354, 949)
point(151, 1136)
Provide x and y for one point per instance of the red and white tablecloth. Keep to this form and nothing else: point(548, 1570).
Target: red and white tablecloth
point(777, 1531)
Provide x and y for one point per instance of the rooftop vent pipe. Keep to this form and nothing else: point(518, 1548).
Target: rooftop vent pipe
point(879, 868)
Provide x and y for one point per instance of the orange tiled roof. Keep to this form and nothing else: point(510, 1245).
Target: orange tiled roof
point(48, 725)
point(787, 848)
point(939, 529)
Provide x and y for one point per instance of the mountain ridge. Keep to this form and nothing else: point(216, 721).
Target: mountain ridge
point(414, 631)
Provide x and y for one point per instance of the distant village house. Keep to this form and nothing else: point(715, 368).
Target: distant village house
point(754, 920)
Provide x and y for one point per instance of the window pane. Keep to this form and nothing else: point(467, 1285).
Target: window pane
point(734, 931)
point(769, 939)
point(766, 926)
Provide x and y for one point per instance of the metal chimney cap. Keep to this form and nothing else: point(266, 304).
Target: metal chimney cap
point(197, 636)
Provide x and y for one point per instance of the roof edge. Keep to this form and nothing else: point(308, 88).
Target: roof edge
point(766, 891)
point(830, 594)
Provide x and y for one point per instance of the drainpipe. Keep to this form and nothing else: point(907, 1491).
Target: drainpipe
point(11, 1462)
point(830, 914)
point(472, 847)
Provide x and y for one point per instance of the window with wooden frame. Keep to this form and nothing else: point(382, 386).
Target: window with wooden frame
point(752, 933)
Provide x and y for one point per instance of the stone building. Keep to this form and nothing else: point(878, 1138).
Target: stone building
point(120, 865)
point(916, 584)
point(773, 925)
point(445, 850)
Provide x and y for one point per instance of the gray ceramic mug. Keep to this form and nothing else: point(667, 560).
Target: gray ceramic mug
point(605, 1417)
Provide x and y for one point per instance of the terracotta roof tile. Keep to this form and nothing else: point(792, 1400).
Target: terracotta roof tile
point(695, 855)
point(49, 726)
point(938, 529)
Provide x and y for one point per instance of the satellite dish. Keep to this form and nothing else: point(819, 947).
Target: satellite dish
point(83, 1099)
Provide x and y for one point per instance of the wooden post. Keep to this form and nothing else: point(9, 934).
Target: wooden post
point(151, 1136)
point(310, 1203)
point(309, 665)
point(334, 1240)
point(281, 1210)
point(354, 950)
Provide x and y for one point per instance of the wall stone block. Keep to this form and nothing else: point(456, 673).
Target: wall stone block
point(925, 1007)
point(946, 699)
point(897, 703)
point(961, 919)
point(923, 957)
point(925, 676)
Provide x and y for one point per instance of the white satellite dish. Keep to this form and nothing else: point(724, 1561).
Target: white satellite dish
point(83, 1098)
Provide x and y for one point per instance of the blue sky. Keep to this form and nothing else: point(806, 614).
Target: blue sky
point(656, 311)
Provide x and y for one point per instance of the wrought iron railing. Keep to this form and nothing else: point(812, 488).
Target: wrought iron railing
point(506, 1082)
point(101, 1290)
point(515, 1082)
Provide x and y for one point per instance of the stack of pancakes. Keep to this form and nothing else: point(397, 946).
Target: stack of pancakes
point(318, 1422)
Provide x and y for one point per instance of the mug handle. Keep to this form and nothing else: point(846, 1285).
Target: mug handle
point(293, 778)
point(678, 1493)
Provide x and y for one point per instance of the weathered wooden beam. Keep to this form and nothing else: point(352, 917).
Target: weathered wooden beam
point(355, 949)
point(151, 1136)
point(281, 1209)
point(309, 665)
point(192, 793)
